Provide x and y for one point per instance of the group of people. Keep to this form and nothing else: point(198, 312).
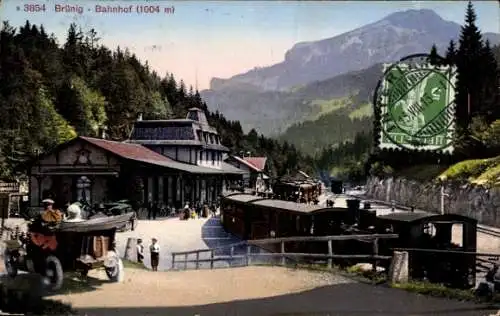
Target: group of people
point(154, 250)
point(53, 215)
point(198, 211)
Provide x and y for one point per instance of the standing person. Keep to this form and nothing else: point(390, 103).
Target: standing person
point(150, 209)
point(140, 251)
point(154, 209)
point(154, 248)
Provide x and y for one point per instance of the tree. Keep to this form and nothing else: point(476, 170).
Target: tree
point(434, 58)
point(469, 77)
point(48, 94)
point(451, 53)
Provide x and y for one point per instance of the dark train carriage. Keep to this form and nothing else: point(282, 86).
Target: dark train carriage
point(297, 191)
point(249, 217)
point(337, 186)
point(434, 232)
point(235, 210)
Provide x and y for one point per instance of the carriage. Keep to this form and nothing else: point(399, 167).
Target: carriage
point(427, 237)
point(68, 246)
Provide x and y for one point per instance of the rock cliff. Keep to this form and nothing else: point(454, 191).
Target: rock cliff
point(481, 203)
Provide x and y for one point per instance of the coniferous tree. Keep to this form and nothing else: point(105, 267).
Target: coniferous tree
point(489, 107)
point(434, 58)
point(47, 92)
point(469, 76)
point(451, 53)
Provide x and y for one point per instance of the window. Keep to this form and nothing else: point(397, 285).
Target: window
point(83, 185)
point(206, 155)
point(213, 157)
point(201, 154)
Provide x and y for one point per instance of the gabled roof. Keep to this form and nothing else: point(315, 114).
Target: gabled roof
point(140, 153)
point(246, 163)
point(258, 162)
point(127, 150)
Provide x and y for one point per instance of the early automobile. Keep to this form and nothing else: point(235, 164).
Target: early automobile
point(67, 246)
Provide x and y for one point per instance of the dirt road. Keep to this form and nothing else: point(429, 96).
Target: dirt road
point(253, 291)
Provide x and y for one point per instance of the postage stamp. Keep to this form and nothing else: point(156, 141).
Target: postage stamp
point(417, 107)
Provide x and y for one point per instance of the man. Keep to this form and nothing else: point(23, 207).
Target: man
point(154, 249)
point(49, 214)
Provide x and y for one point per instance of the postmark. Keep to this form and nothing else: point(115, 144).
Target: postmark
point(416, 102)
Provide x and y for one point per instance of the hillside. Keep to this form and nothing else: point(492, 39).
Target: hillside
point(253, 97)
point(51, 93)
point(272, 112)
point(341, 123)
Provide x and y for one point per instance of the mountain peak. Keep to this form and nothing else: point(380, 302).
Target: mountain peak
point(415, 19)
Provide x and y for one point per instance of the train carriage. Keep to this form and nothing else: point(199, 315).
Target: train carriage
point(253, 217)
point(421, 230)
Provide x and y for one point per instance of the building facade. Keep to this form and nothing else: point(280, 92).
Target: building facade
point(171, 162)
point(254, 168)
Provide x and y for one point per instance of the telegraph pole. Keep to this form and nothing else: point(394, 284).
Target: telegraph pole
point(443, 195)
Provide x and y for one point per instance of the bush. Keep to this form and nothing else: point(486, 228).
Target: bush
point(437, 290)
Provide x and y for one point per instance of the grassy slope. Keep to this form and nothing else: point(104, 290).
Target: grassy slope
point(365, 110)
point(475, 171)
point(323, 107)
point(478, 171)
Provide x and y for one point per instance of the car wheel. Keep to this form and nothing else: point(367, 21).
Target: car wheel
point(10, 263)
point(53, 274)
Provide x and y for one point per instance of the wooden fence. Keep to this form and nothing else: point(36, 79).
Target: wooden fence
point(373, 257)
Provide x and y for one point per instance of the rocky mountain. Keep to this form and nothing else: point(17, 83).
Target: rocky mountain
point(265, 98)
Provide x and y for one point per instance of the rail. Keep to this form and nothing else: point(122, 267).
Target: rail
point(480, 228)
point(374, 257)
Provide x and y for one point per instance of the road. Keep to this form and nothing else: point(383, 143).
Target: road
point(251, 291)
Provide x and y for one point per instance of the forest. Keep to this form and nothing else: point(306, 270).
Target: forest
point(477, 117)
point(51, 92)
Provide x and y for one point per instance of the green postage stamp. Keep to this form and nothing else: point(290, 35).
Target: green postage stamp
point(417, 107)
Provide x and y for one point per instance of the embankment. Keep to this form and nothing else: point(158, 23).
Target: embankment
point(479, 202)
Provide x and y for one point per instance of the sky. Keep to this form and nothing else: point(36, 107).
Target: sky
point(198, 40)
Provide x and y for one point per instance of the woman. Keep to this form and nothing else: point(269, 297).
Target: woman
point(154, 249)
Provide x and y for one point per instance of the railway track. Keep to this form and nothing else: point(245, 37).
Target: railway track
point(480, 229)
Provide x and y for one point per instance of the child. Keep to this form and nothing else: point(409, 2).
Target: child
point(154, 248)
point(140, 251)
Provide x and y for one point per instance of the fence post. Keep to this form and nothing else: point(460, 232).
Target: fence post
point(197, 260)
point(185, 261)
point(283, 259)
point(249, 251)
point(212, 255)
point(173, 261)
point(330, 253)
point(375, 253)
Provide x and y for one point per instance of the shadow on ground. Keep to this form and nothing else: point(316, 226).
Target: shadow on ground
point(345, 299)
point(214, 236)
point(32, 282)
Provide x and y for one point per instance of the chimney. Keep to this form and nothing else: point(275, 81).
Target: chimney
point(139, 117)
